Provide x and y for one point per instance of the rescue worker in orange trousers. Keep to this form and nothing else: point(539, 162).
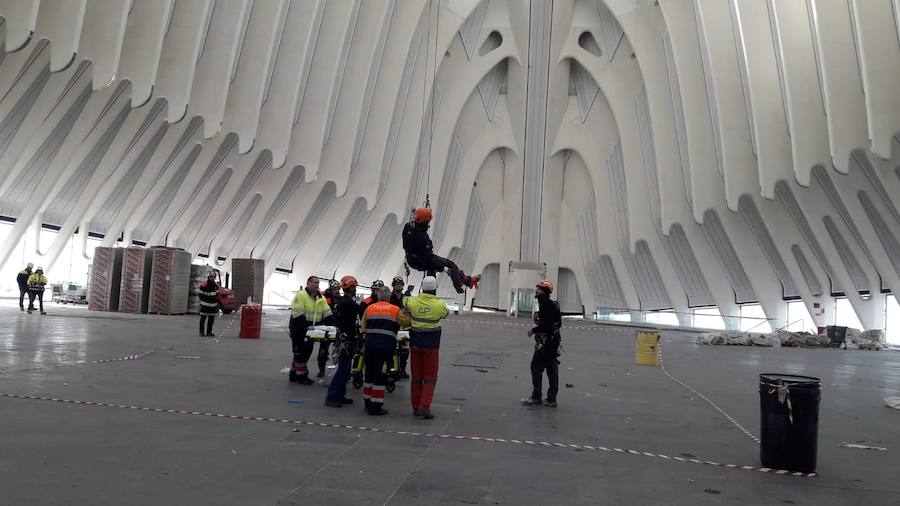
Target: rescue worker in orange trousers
point(427, 313)
point(380, 324)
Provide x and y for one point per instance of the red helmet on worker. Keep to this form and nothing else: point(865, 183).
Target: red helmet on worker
point(545, 285)
point(348, 282)
point(422, 215)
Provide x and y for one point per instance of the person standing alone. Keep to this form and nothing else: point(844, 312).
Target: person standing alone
point(548, 321)
point(22, 280)
point(209, 304)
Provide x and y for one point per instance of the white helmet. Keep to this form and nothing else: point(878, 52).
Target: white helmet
point(429, 284)
point(30, 265)
point(39, 268)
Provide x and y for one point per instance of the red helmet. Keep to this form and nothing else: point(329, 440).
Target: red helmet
point(545, 285)
point(422, 215)
point(348, 282)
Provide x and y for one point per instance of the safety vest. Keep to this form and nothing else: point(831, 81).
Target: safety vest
point(209, 303)
point(381, 326)
point(427, 312)
point(313, 309)
point(36, 282)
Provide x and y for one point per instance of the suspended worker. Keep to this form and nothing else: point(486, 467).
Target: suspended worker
point(427, 313)
point(380, 324)
point(308, 308)
point(420, 255)
point(36, 284)
point(397, 296)
point(209, 304)
point(22, 281)
point(346, 312)
point(548, 321)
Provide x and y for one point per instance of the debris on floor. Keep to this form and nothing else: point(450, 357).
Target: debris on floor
point(481, 370)
point(569, 385)
point(188, 357)
point(295, 401)
point(863, 447)
point(892, 402)
point(286, 370)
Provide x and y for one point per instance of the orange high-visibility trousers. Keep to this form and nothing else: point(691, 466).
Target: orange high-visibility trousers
point(424, 370)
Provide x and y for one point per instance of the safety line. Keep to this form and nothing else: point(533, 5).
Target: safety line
point(705, 398)
point(523, 442)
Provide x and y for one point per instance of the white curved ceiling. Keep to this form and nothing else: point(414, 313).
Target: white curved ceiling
point(668, 154)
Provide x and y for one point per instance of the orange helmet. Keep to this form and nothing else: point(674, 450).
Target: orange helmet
point(422, 215)
point(348, 282)
point(545, 285)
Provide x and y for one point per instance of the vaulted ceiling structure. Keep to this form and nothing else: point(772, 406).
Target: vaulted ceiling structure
point(654, 154)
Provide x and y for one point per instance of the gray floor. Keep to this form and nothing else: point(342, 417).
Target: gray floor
point(54, 452)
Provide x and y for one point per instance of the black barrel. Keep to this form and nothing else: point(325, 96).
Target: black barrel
point(789, 416)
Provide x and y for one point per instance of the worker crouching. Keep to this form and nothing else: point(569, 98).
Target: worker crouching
point(380, 324)
point(427, 313)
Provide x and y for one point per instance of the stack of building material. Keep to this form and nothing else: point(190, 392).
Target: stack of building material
point(198, 275)
point(135, 289)
point(106, 278)
point(249, 279)
point(169, 280)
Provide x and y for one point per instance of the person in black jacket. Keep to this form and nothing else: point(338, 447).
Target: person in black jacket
point(22, 280)
point(420, 255)
point(548, 321)
point(208, 292)
point(346, 318)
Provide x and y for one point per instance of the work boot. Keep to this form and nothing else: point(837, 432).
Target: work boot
point(30, 311)
point(346, 400)
point(417, 412)
point(550, 404)
point(334, 404)
point(404, 375)
point(321, 374)
point(202, 334)
point(210, 334)
point(21, 308)
point(531, 401)
point(378, 412)
point(427, 415)
point(43, 313)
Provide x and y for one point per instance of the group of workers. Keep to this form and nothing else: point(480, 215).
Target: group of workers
point(32, 282)
point(370, 328)
point(373, 326)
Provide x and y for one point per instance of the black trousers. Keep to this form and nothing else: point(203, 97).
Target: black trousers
point(322, 356)
point(375, 374)
point(543, 361)
point(208, 320)
point(36, 295)
point(430, 264)
point(22, 293)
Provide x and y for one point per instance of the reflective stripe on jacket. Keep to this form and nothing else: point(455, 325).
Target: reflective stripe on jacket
point(313, 309)
point(209, 302)
point(381, 322)
point(36, 282)
point(427, 313)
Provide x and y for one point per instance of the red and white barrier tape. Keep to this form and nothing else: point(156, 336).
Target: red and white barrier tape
point(524, 442)
point(529, 325)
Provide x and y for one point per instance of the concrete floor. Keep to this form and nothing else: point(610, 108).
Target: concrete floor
point(54, 452)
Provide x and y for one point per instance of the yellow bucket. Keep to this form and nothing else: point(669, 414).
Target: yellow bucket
point(647, 350)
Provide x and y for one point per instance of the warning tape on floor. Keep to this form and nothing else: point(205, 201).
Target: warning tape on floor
point(136, 356)
point(523, 442)
point(529, 325)
point(662, 365)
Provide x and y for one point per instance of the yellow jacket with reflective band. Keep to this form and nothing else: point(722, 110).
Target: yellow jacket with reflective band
point(313, 309)
point(37, 281)
point(426, 311)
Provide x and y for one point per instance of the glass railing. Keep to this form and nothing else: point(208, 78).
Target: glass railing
point(701, 318)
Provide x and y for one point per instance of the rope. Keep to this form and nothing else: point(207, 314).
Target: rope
point(711, 403)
